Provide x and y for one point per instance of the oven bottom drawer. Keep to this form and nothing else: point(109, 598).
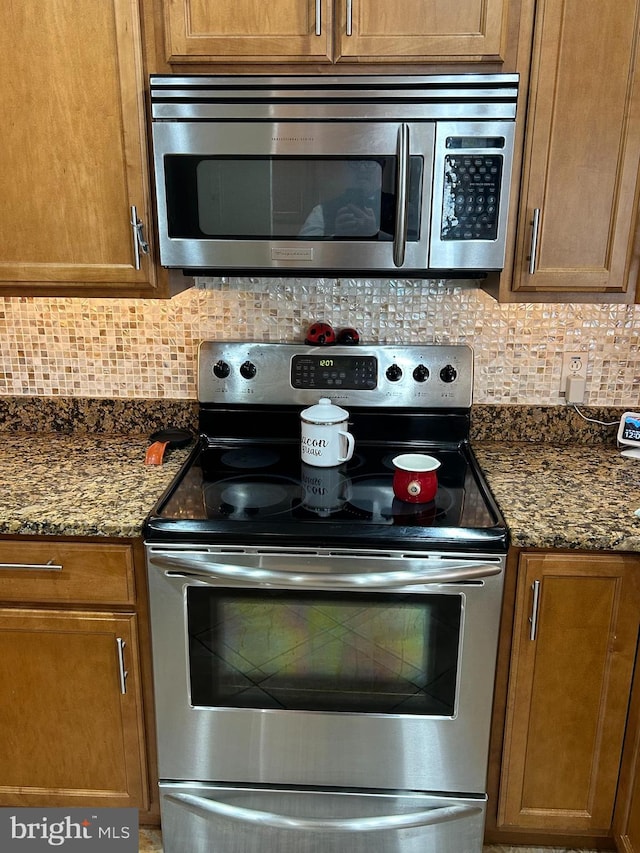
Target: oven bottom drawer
point(204, 818)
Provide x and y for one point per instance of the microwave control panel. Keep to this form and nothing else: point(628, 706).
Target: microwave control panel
point(472, 185)
point(470, 205)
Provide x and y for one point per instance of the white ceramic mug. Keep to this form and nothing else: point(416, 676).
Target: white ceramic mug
point(325, 439)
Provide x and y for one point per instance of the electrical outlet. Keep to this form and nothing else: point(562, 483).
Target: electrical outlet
point(573, 376)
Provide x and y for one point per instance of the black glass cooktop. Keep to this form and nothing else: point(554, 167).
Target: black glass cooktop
point(259, 492)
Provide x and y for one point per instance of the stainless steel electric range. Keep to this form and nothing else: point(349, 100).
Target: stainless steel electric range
point(324, 653)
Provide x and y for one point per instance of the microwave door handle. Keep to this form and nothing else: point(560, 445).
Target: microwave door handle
point(402, 179)
point(426, 817)
point(442, 572)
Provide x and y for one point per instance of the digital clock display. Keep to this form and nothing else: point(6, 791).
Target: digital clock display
point(629, 429)
point(338, 372)
point(629, 435)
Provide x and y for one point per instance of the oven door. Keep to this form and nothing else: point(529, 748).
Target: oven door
point(294, 195)
point(351, 670)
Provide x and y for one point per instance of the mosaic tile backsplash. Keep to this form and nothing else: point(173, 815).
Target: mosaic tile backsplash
point(118, 348)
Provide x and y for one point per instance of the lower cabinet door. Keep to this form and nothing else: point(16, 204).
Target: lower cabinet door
point(627, 815)
point(572, 663)
point(71, 726)
point(627, 819)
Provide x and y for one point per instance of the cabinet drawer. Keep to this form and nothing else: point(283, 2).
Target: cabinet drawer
point(76, 573)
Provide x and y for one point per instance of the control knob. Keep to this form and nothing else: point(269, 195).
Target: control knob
point(248, 370)
point(448, 373)
point(221, 369)
point(421, 373)
point(393, 373)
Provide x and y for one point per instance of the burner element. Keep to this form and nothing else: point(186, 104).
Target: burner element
point(250, 497)
point(372, 496)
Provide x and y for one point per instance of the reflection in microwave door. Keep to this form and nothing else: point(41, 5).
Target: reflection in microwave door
point(449, 218)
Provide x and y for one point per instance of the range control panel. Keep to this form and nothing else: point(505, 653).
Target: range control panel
point(404, 376)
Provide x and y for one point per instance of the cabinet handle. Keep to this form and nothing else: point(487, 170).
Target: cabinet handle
point(535, 225)
point(123, 672)
point(535, 586)
point(318, 17)
point(139, 243)
point(33, 567)
point(349, 17)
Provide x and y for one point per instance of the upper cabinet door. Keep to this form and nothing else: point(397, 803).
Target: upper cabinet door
point(429, 30)
point(368, 31)
point(248, 30)
point(580, 193)
point(73, 148)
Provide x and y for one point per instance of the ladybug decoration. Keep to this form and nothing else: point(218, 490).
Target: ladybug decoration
point(348, 337)
point(320, 334)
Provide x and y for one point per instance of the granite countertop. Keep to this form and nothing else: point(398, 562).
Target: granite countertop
point(79, 485)
point(552, 496)
point(75, 467)
point(564, 496)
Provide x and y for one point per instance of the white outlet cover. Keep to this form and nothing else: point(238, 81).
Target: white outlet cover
point(567, 358)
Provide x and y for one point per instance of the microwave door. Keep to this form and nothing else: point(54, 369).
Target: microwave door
point(290, 195)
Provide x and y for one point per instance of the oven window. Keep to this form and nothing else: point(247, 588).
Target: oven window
point(328, 198)
point(371, 653)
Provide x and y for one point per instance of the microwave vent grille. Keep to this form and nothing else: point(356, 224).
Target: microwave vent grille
point(348, 98)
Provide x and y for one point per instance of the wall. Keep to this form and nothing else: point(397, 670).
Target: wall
point(147, 348)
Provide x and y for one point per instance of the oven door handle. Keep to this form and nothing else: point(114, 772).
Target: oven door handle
point(445, 572)
point(427, 817)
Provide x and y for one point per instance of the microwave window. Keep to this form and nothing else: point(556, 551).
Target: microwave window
point(252, 198)
point(359, 652)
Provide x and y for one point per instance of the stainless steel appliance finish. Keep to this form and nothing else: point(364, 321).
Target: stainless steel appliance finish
point(252, 820)
point(239, 372)
point(444, 751)
point(323, 653)
point(271, 164)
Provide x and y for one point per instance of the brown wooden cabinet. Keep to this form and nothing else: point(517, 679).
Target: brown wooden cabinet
point(74, 149)
point(71, 711)
point(627, 813)
point(328, 31)
point(70, 731)
point(421, 30)
point(571, 665)
point(578, 212)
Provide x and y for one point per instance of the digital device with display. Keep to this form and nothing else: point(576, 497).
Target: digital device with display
point(629, 434)
point(326, 372)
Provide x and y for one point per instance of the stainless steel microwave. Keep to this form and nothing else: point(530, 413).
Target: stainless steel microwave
point(376, 175)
